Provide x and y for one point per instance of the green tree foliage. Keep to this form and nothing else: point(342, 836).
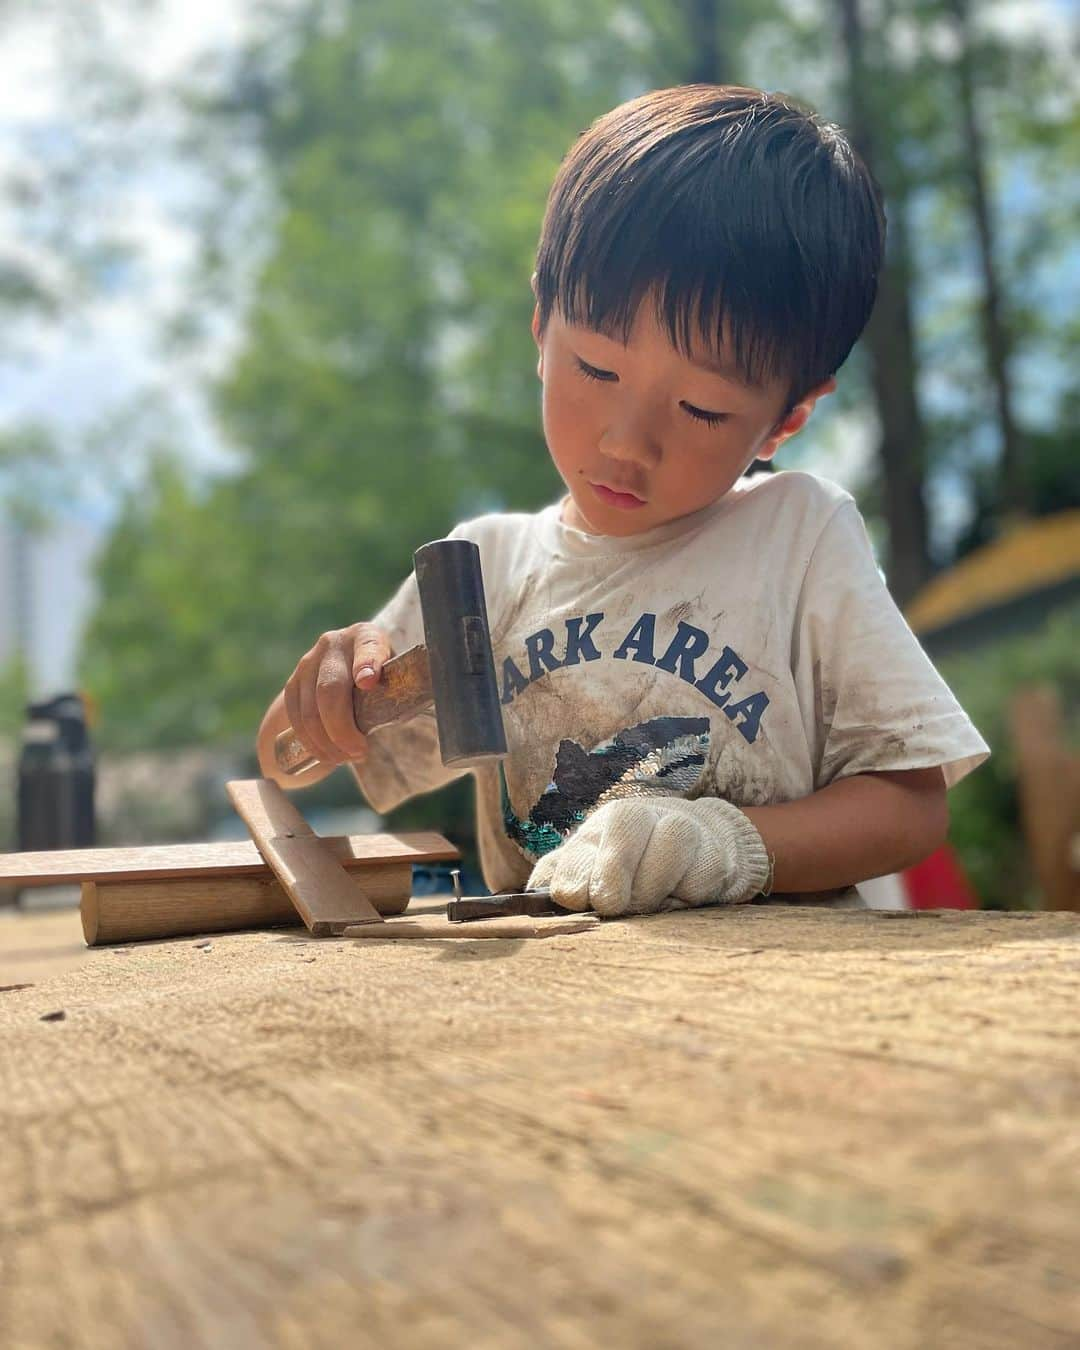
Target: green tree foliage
point(36, 475)
point(1002, 263)
point(386, 387)
point(14, 693)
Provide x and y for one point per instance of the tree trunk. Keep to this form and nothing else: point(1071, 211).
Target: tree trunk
point(710, 61)
point(1012, 493)
point(890, 343)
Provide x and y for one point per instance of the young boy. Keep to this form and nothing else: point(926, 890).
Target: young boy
point(708, 693)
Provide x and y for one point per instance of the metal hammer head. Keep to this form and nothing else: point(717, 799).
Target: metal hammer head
point(466, 696)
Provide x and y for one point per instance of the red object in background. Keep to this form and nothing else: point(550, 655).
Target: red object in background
point(938, 882)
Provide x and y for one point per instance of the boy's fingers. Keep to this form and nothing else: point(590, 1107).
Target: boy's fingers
point(370, 654)
point(292, 702)
point(573, 864)
point(296, 717)
point(319, 693)
point(334, 700)
point(309, 727)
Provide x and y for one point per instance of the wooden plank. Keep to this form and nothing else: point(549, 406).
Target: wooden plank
point(511, 926)
point(232, 858)
point(325, 896)
point(135, 911)
point(1048, 782)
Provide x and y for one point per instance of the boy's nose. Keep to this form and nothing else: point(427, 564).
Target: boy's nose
point(632, 442)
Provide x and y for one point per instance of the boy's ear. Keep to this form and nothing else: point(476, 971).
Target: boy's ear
point(795, 419)
point(535, 326)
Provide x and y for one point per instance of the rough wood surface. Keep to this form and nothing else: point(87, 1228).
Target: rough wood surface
point(734, 1129)
point(326, 897)
point(134, 911)
point(238, 858)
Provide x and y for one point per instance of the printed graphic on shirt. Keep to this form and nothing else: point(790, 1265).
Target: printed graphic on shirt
point(665, 756)
point(710, 666)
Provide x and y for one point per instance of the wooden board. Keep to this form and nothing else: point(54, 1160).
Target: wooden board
point(135, 911)
point(239, 858)
point(325, 896)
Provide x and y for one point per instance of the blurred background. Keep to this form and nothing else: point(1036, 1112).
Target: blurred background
point(264, 280)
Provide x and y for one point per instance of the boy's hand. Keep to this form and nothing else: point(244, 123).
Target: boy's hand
point(642, 854)
point(319, 692)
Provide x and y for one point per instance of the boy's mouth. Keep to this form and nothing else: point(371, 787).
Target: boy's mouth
point(625, 501)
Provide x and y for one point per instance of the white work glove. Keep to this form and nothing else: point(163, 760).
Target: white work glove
point(637, 855)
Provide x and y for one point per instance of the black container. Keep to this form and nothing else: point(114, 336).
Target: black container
point(56, 777)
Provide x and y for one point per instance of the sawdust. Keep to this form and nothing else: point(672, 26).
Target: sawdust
point(748, 1128)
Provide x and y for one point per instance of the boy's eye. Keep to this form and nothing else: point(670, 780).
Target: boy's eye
point(711, 419)
point(591, 372)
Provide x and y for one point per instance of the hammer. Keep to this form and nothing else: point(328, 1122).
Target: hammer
point(453, 670)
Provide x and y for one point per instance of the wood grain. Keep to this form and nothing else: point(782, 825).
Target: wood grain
point(133, 911)
point(233, 858)
point(750, 1128)
point(325, 896)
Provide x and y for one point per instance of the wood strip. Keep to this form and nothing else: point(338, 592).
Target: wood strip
point(136, 911)
point(326, 897)
point(232, 858)
point(513, 926)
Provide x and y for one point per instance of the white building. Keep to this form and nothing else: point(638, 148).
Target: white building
point(47, 591)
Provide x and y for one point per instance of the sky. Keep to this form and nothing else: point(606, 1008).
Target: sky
point(71, 375)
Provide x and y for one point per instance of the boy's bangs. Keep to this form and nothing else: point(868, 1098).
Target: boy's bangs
point(715, 294)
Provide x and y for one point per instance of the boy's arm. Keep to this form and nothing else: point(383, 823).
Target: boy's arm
point(631, 854)
point(855, 828)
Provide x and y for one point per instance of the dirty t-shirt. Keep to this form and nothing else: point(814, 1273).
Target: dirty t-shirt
point(749, 651)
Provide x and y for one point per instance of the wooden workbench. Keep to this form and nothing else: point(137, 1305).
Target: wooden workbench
point(763, 1127)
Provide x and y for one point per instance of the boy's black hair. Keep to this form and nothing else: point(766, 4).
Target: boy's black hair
point(754, 220)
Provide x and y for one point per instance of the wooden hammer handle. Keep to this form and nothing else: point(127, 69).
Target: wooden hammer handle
point(404, 689)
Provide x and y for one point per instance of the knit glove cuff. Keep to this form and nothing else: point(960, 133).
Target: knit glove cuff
point(747, 859)
point(641, 854)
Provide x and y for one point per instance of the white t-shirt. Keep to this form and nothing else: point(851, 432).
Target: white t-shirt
point(750, 651)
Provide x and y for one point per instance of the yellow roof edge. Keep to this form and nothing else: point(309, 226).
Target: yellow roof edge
point(1030, 557)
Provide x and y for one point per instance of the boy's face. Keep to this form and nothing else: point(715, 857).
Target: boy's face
point(640, 434)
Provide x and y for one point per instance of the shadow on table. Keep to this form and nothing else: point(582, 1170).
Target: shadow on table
point(801, 928)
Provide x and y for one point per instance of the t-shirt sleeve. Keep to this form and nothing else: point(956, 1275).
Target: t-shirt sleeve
point(403, 757)
point(870, 697)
